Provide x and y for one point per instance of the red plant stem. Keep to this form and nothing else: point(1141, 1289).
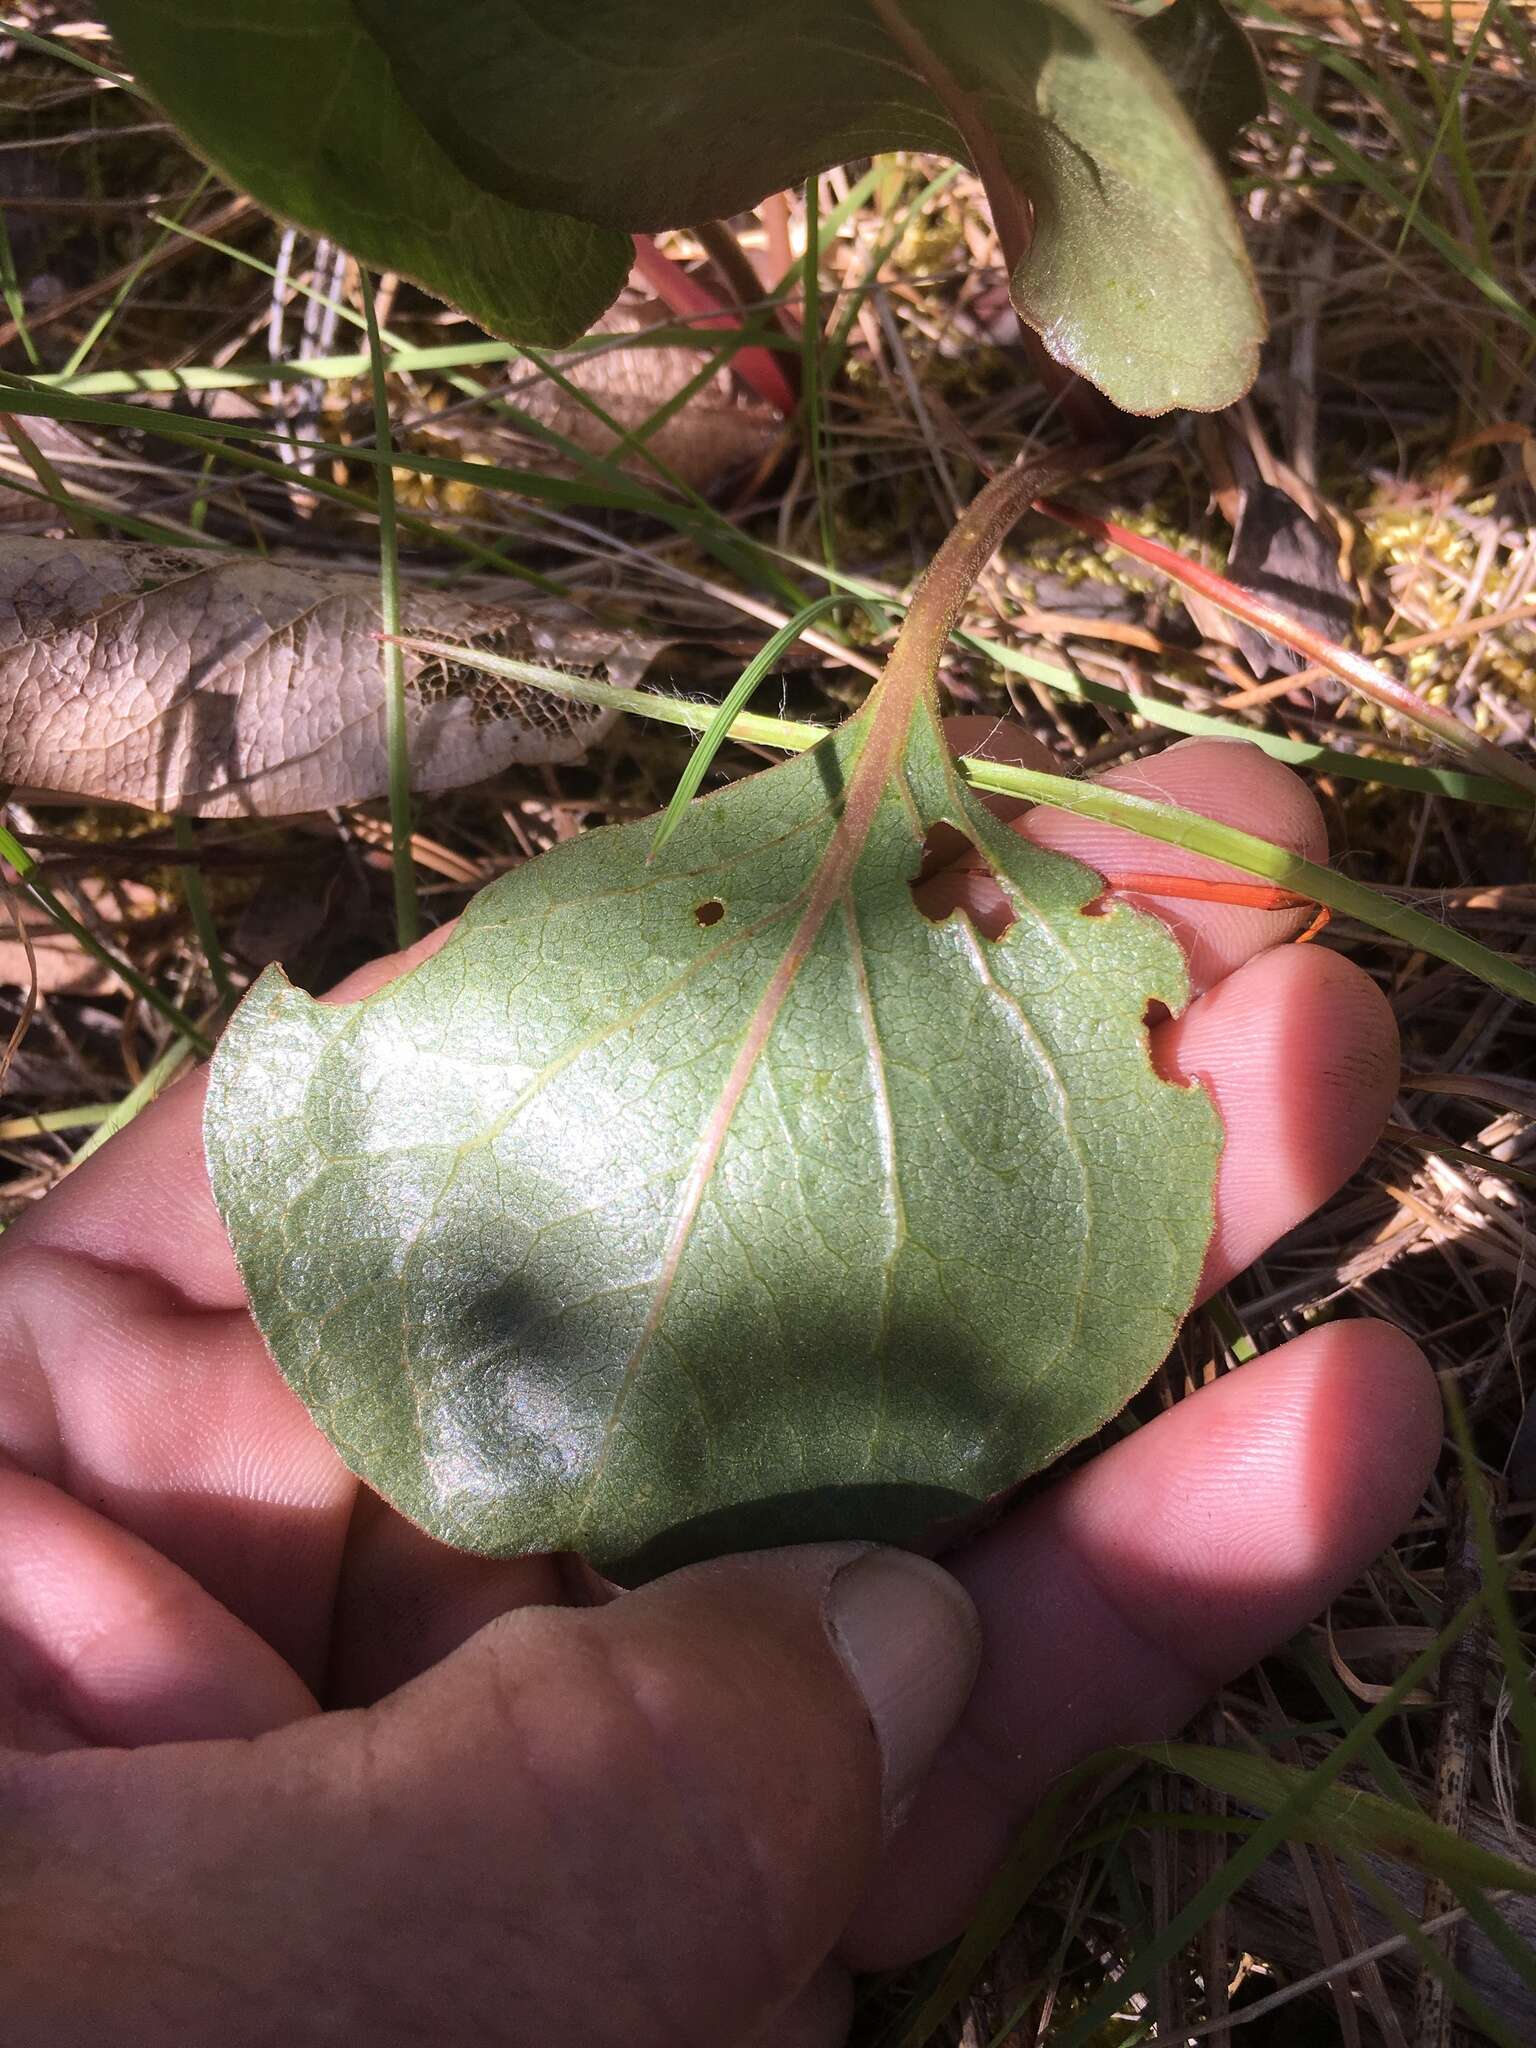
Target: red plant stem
point(1249, 895)
point(683, 294)
point(1349, 667)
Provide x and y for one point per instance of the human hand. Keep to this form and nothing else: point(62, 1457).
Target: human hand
point(528, 1814)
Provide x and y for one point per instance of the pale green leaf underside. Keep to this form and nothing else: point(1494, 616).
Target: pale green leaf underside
point(293, 102)
point(543, 1294)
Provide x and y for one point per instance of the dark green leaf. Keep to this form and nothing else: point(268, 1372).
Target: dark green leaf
point(1210, 64)
point(726, 1199)
point(391, 123)
point(294, 103)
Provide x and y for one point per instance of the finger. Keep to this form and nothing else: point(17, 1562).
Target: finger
point(1113, 1605)
point(818, 2018)
point(1229, 781)
point(131, 1374)
point(102, 1642)
point(643, 1823)
point(1299, 1052)
point(174, 1424)
point(1234, 783)
point(143, 1204)
point(405, 1601)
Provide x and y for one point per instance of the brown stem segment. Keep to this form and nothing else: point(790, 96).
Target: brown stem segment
point(1087, 412)
point(912, 670)
point(1351, 668)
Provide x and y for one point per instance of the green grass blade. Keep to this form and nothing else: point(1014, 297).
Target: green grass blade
point(1439, 1965)
point(399, 361)
point(1375, 180)
point(719, 728)
point(1174, 827)
point(164, 1070)
point(1496, 1930)
point(125, 291)
point(785, 734)
point(195, 895)
point(1338, 1697)
point(17, 1130)
point(10, 293)
point(407, 911)
point(1522, 1701)
point(1457, 783)
point(1343, 1819)
point(1256, 856)
point(1277, 1828)
point(722, 539)
point(46, 46)
point(830, 225)
point(811, 370)
point(49, 481)
point(880, 255)
point(736, 550)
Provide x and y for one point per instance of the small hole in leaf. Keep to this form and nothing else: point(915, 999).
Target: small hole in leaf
point(1163, 1049)
point(710, 912)
point(956, 875)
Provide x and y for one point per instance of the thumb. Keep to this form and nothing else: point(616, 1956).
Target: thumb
point(703, 1771)
point(645, 1823)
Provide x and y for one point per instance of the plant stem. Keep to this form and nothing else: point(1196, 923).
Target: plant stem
point(912, 670)
point(1240, 850)
point(397, 739)
point(731, 261)
point(681, 293)
point(1088, 414)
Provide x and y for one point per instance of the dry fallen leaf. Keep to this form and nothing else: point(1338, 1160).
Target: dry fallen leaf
point(1281, 552)
point(718, 434)
point(715, 434)
point(223, 686)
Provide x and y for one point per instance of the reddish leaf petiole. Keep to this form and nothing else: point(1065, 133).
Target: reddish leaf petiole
point(1247, 895)
point(682, 293)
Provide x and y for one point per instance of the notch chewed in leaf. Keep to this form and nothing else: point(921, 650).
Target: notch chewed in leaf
point(620, 1228)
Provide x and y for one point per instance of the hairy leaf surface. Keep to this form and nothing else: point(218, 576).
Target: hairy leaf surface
point(225, 685)
point(501, 154)
point(727, 1200)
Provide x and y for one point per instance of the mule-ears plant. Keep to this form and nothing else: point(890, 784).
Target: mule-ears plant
point(506, 157)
